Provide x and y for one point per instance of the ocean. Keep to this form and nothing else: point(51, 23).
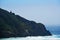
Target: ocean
point(55, 30)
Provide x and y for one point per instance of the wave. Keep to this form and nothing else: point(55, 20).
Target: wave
point(53, 37)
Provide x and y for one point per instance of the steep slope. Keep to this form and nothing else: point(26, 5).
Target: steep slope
point(12, 25)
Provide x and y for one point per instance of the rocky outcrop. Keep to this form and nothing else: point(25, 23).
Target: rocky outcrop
point(12, 25)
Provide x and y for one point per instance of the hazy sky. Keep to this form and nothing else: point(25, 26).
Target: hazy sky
point(44, 11)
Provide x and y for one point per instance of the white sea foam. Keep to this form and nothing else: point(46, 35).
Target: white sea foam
point(54, 37)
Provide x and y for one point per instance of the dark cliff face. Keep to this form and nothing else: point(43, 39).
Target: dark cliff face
point(12, 25)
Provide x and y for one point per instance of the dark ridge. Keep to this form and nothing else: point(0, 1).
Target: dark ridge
point(12, 25)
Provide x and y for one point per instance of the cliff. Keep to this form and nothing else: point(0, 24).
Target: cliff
point(12, 25)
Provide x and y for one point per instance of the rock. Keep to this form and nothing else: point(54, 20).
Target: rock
point(12, 25)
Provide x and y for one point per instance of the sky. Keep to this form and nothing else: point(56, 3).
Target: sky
point(40, 11)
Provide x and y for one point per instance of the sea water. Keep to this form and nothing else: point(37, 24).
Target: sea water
point(53, 37)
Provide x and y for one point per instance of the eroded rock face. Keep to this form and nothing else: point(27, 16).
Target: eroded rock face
point(12, 25)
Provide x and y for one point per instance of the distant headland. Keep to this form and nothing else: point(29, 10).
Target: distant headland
point(12, 25)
